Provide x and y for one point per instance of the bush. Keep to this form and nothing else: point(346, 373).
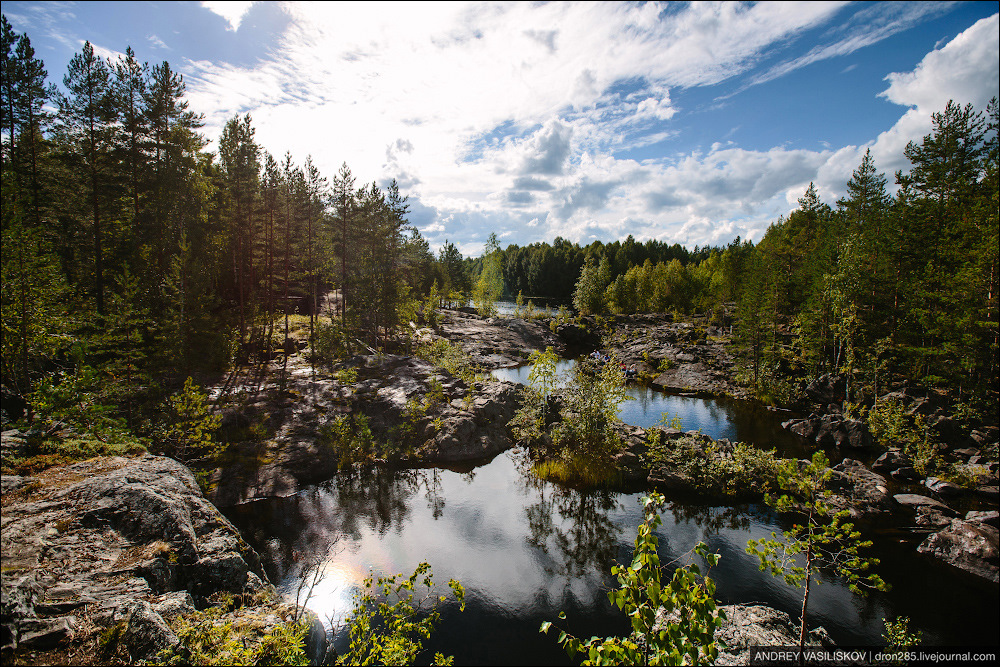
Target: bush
point(216, 637)
point(687, 637)
point(350, 438)
point(190, 432)
point(451, 358)
point(388, 625)
point(76, 400)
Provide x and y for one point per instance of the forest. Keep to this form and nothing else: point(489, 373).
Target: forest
point(133, 256)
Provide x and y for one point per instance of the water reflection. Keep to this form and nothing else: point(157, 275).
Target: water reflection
point(575, 533)
point(526, 550)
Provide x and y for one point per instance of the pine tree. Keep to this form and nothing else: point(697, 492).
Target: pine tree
point(87, 115)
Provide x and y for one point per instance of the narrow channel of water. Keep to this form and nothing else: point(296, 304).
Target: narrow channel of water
point(717, 417)
point(526, 550)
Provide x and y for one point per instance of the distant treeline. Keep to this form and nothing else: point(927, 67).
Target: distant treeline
point(552, 271)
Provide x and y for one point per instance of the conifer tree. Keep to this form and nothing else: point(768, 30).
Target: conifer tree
point(87, 115)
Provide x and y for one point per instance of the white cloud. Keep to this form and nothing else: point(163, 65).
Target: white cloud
point(231, 10)
point(503, 117)
point(966, 70)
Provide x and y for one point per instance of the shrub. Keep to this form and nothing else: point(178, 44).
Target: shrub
point(215, 637)
point(686, 637)
point(388, 625)
point(189, 432)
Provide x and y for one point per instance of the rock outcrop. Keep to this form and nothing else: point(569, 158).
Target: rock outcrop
point(497, 342)
point(749, 625)
point(98, 542)
point(415, 412)
point(858, 490)
point(968, 545)
point(676, 356)
point(831, 430)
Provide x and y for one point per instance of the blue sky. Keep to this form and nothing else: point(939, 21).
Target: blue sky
point(684, 122)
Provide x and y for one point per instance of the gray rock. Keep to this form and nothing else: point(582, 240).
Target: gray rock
point(146, 633)
point(890, 461)
point(45, 633)
point(931, 516)
point(749, 625)
point(969, 546)
point(174, 603)
point(858, 489)
point(991, 517)
point(915, 500)
point(17, 603)
point(943, 487)
point(12, 483)
point(906, 474)
point(988, 491)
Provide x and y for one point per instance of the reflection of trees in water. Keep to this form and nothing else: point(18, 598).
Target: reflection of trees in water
point(585, 539)
point(377, 498)
point(290, 531)
point(711, 518)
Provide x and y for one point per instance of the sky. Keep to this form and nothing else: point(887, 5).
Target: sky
point(688, 123)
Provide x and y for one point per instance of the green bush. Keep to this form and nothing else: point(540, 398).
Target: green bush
point(217, 637)
point(687, 637)
point(189, 433)
point(451, 358)
point(389, 623)
point(350, 438)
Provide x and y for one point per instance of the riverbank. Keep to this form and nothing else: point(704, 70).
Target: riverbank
point(107, 559)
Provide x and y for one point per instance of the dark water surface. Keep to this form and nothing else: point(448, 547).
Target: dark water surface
point(526, 550)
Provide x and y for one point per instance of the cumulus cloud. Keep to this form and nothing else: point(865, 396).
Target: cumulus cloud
point(966, 70)
point(509, 117)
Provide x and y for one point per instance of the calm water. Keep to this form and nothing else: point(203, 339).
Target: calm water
point(526, 550)
point(721, 417)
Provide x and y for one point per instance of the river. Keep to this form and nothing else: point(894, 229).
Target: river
point(526, 550)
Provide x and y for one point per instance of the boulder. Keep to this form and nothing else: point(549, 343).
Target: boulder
point(103, 538)
point(145, 633)
point(989, 517)
point(750, 625)
point(942, 487)
point(858, 489)
point(970, 546)
point(17, 604)
point(40, 634)
point(915, 501)
point(826, 389)
point(890, 461)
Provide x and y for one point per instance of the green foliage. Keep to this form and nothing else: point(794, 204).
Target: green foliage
point(897, 634)
point(588, 296)
point(684, 633)
point(350, 438)
point(347, 376)
point(389, 621)
point(489, 287)
point(745, 470)
point(824, 540)
point(592, 402)
point(890, 424)
point(217, 637)
point(330, 342)
point(452, 358)
point(190, 430)
point(77, 401)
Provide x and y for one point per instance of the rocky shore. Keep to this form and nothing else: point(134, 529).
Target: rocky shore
point(121, 542)
point(416, 414)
